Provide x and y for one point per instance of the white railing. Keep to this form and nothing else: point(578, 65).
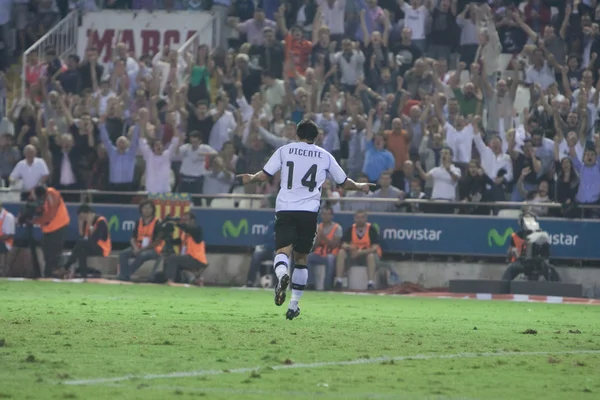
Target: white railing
point(62, 38)
point(190, 48)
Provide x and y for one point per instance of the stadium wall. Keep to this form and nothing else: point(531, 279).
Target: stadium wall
point(231, 270)
point(460, 235)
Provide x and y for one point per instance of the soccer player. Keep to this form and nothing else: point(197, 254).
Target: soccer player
point(304, 168)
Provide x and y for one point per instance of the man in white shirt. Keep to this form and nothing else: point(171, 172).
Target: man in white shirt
point(273, 92)
point(496, 164)
point(31, 171)
point(194, 159)
point(158, 164)
point(7, 234)
point(249, 110)
point(445, 180)
point(540, 71)
point(460, 140)
point(223, 127)
point(304, 168)
point(415, 18)
point(350, 62)
point(332, 15)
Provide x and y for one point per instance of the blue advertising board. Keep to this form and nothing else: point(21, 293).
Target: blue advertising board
point(400, 233)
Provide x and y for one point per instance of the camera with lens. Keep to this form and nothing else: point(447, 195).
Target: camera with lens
point(30, 210)
point(165, 230)
point(166, 227)
point(536, 250)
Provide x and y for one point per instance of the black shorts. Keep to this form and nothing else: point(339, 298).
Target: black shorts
point(296, 228)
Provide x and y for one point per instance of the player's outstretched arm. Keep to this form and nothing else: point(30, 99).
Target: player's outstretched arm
point(260, 176)
point(349, 184)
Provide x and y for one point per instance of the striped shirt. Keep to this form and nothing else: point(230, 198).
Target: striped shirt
point(122, 165)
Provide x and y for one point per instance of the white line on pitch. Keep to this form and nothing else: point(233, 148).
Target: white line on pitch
point(292, 393)
point(359, 361)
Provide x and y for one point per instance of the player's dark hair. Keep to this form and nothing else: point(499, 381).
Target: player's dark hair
point(148, 203)
point(307, 130)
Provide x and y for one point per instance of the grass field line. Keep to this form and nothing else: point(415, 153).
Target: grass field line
point(322, 393)
point(358, 361)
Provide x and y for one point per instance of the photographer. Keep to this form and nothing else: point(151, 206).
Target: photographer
point(94, 240)
point(52, 216)
point(529, 251)
point(192, 255)
point(7, 234)
point(145, 243)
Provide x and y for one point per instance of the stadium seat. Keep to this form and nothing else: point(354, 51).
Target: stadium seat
point(245, 203)
point(146, 270)
point(319, 272)
point(358, 278)
point(106, 265)
point(509, 213)
point(222, 203)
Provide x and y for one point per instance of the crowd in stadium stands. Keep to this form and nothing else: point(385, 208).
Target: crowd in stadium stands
point(410, 95)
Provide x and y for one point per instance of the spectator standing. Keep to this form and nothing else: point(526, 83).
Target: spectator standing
point(589, 175)
point(9, 157)
point(526, 160)
point(377, 158)
point(442, 38)
point(121, 156)
point(350, 62)
point(356, 205)
point(269, 54)
point(472, 189)
point(398, 143)
point(469, 38)
point(253, 28)
point(430, 156)
point(415, 18)
point(496, 164)
point(158, 164)
point(406, 53)
point(31, 171)
point(195, 156)
point(374, 18)
point(332, 16)
point(385, 191)
point(445, 180)
point(489, 46)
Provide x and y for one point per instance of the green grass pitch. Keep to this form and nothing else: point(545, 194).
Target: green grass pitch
point(67, 341)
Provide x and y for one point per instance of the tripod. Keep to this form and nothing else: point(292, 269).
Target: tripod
point(37, 273)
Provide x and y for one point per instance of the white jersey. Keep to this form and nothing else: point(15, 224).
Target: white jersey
point(303, 168)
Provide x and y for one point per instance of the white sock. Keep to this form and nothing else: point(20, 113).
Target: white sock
point(280, 264)
point(299, 279)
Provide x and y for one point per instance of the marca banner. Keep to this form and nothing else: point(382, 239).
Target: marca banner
point(142, 31)
point(400, 233)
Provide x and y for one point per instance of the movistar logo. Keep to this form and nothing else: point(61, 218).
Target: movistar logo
point(498, 240)
point(234, 231)
point(113, 224)
point(376, 226)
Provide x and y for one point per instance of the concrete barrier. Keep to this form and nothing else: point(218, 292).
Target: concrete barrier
point(231, 270)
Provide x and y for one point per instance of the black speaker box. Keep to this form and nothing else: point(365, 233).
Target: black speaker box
point(479, 286)
point(543, 288)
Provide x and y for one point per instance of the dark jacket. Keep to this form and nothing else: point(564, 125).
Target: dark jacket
point(76, 156)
